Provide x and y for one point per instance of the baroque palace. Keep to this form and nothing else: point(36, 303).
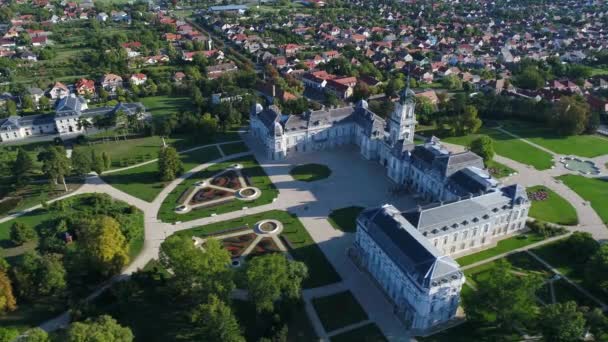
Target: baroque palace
point(409, 254)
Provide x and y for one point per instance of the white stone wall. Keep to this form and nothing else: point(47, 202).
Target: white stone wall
point(420, 308)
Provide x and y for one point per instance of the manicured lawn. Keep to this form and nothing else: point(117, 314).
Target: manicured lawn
point(234, 148)
point(594, 190)
point(31, 219)
point(163, 105)
point(581, 145)
point(303, 248)
point(143, 181)
point(310, 172)
point(509, 147)
point(499, 170)
point(552, 209)
point(345, 219)
point(503, 246)
point(128, 152)
point(367, 333)
point(338, 310)
point(251, 169)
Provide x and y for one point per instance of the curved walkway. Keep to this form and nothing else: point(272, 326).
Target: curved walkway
point(589, 220)
point(312, 203)
point(180, 152)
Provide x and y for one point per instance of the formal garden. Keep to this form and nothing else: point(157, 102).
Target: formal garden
point(293, 236)
point(310, 172)
point(58, 254)
point(548, 206)
point(252, 188)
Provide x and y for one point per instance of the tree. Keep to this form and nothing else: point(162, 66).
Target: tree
point(424, 109)
point(208, 125)
point(44, 102)
point(571, 115)
point(452, 82)
point(197, 273)
point(83, 124)
point(22, 167)
point(470, 120)
point(8, 334)
point(596, 270)
point(503, 295)
point(35, 335)
point(103, 328)
point(104, 244)
point(483, 147)
point(561, 322)
point(169, 164)
point(530, 78)
point(7, 299)
point(55, 164)
point(214, 321)
point(107, 161)
point(28, 102)
point(37, 275)
point(11, 107)
point(97, 163)
point(21, 233)
point(81, 161)
point(272, 276)
point(581, 246)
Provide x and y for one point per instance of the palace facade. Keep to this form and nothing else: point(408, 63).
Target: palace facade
point(407, 253)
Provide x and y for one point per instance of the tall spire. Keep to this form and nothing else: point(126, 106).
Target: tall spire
point(407, 92)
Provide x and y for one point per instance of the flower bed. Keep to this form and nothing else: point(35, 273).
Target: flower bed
point(266, 245)
point(208, 194)
point(236, 245)
point(538, 195)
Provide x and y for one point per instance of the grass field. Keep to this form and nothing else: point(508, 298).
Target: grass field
point(303, 248)
point(234, 148)
point(310, 172)
point(367, 333)
point(345, 219)
point(554, 209)
point(251, 168)
point(163, 105)
point(581, 145)
point(503, 246)
point(594, 190)
point(338, 310)
point(509, 147)
point(143, 181)
point(498, 170)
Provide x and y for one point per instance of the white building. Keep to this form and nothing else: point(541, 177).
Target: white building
point(470, 210)
point(69, 112)
point(423, 285)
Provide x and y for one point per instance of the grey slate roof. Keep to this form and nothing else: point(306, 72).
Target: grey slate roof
point(432, 157)
point(407, 248)
point(440, 217)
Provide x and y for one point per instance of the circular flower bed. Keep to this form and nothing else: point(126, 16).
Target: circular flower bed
point(268, 226)
point(249, 193)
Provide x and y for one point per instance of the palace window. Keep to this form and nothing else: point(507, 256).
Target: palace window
point(455, 237)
